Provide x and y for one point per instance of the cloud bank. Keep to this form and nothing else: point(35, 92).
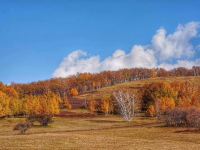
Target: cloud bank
point(165, 50)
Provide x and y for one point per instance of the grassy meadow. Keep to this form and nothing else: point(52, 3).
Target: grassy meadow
point(101, 132)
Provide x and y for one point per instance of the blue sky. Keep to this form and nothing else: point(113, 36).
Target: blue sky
point(36, 35)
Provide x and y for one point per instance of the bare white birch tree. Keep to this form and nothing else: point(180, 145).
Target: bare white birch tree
point(158, 111)
point(126, 104)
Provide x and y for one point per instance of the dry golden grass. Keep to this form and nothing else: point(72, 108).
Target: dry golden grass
point(134, 85)
point(109, 132)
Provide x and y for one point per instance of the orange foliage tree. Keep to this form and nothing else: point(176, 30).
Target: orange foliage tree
point(107, 105)
point(67, 104)
point(151, 112)
point(159, 97)
point(92, 106)
point(74, 92)
point(167, 104)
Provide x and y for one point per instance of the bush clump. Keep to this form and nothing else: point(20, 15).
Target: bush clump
point(23, 127)
point(183, 117)
point(44, 120)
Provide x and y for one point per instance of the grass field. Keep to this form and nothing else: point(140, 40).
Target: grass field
point(104, 132)
point(134, 86)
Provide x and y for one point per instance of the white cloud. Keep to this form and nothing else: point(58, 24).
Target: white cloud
point(77, 61)
point(180, 63)
point(176, 45)
point(138, 57)
point(165, 48)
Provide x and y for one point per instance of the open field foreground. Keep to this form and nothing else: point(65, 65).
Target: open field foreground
point(108, 132)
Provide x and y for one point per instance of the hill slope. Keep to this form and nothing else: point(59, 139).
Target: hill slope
point(135, 85)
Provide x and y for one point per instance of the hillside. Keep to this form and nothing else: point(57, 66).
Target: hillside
point(135, 85)
point(87, 82)
point(80, 129)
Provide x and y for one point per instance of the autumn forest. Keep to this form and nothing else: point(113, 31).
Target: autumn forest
point(48, 97)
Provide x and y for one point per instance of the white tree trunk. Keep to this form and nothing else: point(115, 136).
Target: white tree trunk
point(126, 104)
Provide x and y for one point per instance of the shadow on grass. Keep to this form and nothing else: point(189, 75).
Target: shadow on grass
point(40, 126)
point(188, 131)
point(96, 129)
point(106, 121)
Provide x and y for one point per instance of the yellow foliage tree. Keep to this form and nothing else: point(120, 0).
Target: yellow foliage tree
point(167, 104)
point(4, 105)
point(15, 106)
point(106, 105)
point(42, 105)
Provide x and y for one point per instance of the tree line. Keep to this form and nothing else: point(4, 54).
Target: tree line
point(47, 97)
point(87, 82)
point(11, 104)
